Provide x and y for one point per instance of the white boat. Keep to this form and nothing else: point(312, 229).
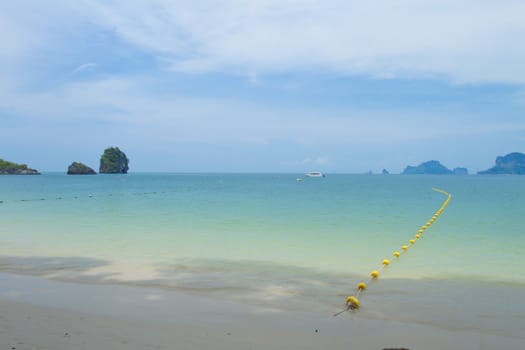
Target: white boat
point(314, 174)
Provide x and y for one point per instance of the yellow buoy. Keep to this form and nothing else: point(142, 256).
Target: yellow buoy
point(355, 303)
point(352, 301)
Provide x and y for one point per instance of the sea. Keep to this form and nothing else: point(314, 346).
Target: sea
point(272, 240)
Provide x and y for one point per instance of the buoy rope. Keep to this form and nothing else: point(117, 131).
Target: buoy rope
point(86, 196)
point(352, 302)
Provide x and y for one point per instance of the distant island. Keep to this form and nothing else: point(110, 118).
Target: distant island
point(113, 161)
point(512, 163)
point(77, 168)
point(433, 167)
point(430, 167)
point(10, 168)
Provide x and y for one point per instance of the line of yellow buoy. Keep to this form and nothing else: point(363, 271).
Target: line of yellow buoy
point(90, 196)
point(352, 302)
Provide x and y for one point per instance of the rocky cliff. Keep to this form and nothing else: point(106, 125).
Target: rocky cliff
point(113, 161)
point(512, 163)
point(77, 168)
point(10, 168)
point(430, 167)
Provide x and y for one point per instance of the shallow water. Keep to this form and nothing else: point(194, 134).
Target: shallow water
point(261, 237)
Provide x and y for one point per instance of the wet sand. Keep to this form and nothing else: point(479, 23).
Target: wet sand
point(41, 314)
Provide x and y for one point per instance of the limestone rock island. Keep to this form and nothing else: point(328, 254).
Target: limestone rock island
point(113, 161)
point(512, 163)
point(430, 167)
point(10, 168)
point(77, 168)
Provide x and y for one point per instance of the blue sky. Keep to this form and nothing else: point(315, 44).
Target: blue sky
point(262, 86)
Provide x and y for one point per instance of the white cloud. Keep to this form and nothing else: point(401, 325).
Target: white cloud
point(15, 39)
point(462, 40)
point(125, 111)
point(171, 119)
point(27, 27)
point(86, 67)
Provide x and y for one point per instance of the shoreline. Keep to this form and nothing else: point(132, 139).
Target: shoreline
point(40, 313)
point(281, 288)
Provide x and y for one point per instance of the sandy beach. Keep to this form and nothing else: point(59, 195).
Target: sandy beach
point(43, 314)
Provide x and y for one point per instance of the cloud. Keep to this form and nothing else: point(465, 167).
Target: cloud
point(15, 39)
point(171, 118)
point(127, 112)
point(86, 67)
point(461, 41)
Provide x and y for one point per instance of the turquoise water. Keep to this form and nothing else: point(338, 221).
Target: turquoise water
point(269, 232)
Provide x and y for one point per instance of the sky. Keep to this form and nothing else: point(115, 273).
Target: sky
point(339, 86)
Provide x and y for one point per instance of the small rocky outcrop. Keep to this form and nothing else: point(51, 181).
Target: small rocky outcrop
point(460, 171)
point(432, 167)
point(512, 163)
point(385, 172)
point(113, 161)
point(10, 168)
point(77, 168)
